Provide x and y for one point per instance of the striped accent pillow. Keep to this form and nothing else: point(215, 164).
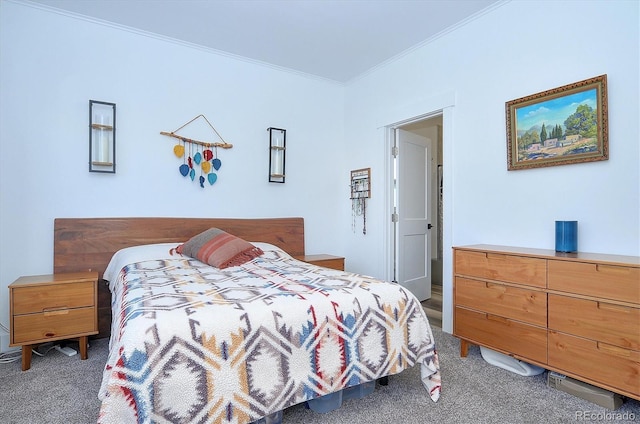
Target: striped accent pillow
point(219, 248)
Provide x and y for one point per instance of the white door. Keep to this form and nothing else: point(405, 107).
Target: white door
point(413, 246)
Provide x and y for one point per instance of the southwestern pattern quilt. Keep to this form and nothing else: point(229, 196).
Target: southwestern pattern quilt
point(193, 343)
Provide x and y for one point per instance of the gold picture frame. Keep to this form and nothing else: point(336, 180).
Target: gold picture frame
point(561, 126)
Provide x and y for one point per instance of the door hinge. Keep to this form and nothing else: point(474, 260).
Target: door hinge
point(394, 217)
point(394, 151)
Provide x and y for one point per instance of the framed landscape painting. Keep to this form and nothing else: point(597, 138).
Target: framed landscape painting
point(561, 126)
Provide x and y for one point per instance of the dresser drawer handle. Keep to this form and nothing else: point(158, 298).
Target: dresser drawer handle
point(618, 351)
point(612, 269)
point(49, 313)
point(610, 307)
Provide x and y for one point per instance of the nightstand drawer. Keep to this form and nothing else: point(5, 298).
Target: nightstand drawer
point(38, 328)
point(594, 279)
point(524, 340)
point(502, 267)
point(600, 362)
point(512, 302)
point(601, 321)
point(41, 298)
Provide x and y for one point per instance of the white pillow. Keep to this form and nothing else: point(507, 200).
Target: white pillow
point(267, 247)
point(149, 252)
point(130, 255)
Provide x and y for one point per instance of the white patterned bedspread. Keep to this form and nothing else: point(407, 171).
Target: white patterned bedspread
point(192, 343)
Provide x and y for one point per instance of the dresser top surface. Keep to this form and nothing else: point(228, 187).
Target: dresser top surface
point(633, 261)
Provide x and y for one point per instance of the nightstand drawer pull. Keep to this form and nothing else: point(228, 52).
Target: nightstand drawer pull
point(50, 313)
point(497, 318)
point(495, 256)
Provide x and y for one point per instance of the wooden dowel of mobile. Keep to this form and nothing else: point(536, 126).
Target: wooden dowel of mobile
point(224, 145)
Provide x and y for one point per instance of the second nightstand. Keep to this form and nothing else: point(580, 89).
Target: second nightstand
point(327, 261)
point(45, 308)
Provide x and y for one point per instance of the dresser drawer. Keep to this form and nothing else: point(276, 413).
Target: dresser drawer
point(502, 267)
point(600, 362)
point(601, 321)
point(598, 280)
point(524, 340)
point(40, 298)
point(519, 304)
point(41, 327)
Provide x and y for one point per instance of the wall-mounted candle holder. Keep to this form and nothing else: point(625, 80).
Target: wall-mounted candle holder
point(102, 137)
point(277, 145)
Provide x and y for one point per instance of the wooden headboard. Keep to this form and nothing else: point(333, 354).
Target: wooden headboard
point(82, 244)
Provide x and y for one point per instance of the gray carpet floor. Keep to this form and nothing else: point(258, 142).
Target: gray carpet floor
point(61, 389)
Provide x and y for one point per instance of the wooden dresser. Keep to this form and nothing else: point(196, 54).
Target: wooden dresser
point(574, 313)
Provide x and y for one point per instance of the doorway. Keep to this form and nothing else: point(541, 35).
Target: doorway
point(430, 129)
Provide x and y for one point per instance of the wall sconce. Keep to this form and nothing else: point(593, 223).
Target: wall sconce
point(102, 137)
point(277, 145)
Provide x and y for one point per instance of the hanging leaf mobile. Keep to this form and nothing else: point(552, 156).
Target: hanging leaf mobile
point(203, 157)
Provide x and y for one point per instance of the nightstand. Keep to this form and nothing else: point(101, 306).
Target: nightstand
point(45, 308)
point(327, 261)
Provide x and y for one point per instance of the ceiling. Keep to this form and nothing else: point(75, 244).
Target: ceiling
point(334, 39)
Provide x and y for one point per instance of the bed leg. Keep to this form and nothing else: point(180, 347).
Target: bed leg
point(384, 381)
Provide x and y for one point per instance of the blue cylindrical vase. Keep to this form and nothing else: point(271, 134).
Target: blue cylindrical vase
point(566, 236)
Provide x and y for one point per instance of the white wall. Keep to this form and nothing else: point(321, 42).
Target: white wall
point(52, 64)
point(516, 49)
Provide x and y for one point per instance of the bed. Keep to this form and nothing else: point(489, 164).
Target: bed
point(191, 342)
